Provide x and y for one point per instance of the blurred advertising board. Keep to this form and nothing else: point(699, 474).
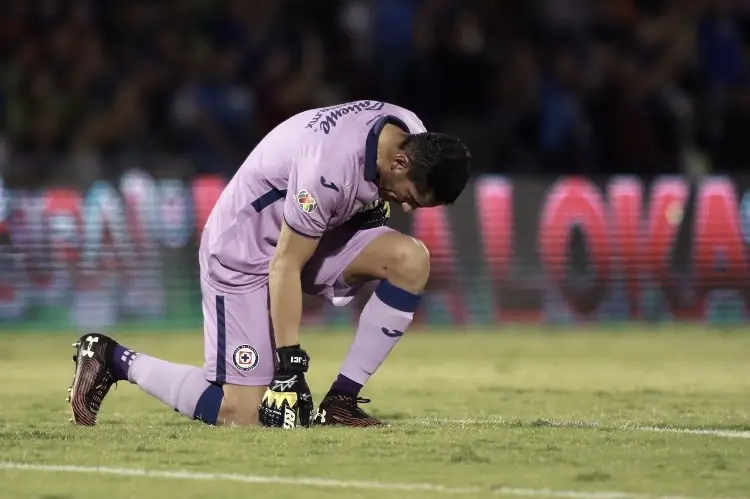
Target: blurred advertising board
point(560, 250)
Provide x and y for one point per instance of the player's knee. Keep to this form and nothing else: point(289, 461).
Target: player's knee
point(238, 414)
point(240, 406)
point(408, 264)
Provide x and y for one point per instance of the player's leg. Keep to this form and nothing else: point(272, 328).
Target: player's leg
point(238, 367)
point(238, 348)
point(102, 362)
point(401, 264)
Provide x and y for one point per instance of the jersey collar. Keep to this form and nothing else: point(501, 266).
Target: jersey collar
point(371, 146)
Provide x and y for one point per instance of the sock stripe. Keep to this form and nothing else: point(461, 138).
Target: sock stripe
point(397, 298)
point(221, 341)
point(207, 408)
point(346, 386)
point(381, 325)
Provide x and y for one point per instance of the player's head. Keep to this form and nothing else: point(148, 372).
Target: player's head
point(430, 169)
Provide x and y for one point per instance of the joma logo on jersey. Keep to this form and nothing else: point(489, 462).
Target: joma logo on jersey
point(327, 118)
point(327, 184)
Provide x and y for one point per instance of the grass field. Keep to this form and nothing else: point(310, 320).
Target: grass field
point(516, 413)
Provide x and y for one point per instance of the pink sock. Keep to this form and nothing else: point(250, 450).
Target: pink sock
point(183, 388)
point(384, 319)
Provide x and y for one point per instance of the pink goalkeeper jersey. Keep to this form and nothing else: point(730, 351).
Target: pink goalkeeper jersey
point(315, 170)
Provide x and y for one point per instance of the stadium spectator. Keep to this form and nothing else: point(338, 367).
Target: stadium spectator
point(548, 86)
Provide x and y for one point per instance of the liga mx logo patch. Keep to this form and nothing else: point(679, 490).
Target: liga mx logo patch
point(245, 358)
point(306, 202)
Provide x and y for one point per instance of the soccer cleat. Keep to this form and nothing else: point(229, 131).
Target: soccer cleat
point(339, 409)
point(92, 379)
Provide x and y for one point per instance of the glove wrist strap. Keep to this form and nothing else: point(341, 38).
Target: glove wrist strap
point(292, 359)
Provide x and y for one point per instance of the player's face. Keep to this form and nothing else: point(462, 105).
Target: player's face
point(405, 195)
point(396, 186)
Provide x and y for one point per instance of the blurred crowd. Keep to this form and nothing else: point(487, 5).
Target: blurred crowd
point(547, 86)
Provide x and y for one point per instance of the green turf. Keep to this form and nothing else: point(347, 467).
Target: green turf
point(517, 408)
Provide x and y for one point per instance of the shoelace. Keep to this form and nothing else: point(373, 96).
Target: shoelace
point(353, 404)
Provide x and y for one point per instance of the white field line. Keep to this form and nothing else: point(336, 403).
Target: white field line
point(584, 425)
point(330, 483)
point(699, 431)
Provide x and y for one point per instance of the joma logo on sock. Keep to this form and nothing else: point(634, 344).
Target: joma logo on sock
point(395, 333)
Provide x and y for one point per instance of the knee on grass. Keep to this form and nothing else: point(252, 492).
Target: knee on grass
point(240, 405)
point(239, 415)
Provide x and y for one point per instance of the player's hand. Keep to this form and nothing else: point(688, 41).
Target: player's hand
point(288, 402)
point(376, 216)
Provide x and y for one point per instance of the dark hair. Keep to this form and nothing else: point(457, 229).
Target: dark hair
point(440, 164)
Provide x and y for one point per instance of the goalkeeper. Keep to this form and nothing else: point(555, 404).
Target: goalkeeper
point(305, 213)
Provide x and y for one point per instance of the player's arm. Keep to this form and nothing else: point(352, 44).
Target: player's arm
point(293, 250)
point(308, 209)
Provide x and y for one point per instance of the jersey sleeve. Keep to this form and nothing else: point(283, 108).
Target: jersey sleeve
point(312, 198)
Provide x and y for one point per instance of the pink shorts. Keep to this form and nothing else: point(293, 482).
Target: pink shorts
point(238, 338)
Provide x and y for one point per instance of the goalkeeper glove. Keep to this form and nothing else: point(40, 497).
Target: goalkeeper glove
point(376, 216)
point(288, 402)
